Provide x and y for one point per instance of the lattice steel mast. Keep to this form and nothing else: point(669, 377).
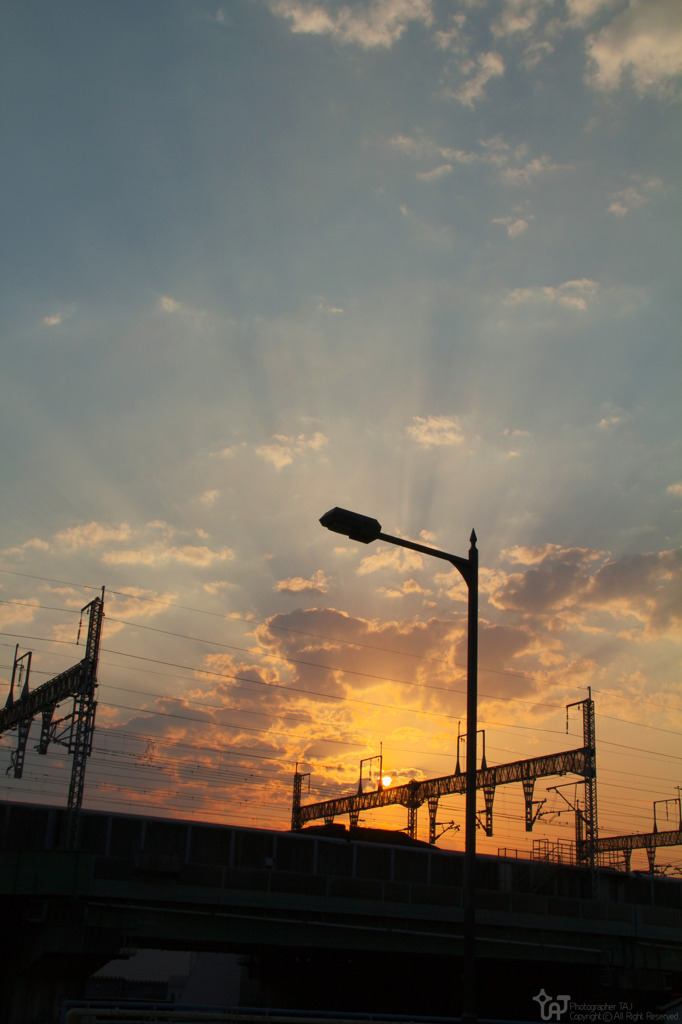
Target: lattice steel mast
point(586, 822)
point(83, 720)
point(78, 682)
point(21, 669)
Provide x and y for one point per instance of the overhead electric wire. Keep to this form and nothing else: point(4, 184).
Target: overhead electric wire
point(178, 767)
point(283, 687)
point(311, 664)
point(340, 640)
point(420, 753)
point(654, 754)
point(334, 697)
point(384, 706)
point(326, 668)
point(367, 675)
point(151, 712)
point(206, 704)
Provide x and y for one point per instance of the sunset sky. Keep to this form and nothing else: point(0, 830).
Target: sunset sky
point(416, 258)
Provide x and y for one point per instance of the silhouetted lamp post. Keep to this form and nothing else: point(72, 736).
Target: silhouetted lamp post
point(366, 530)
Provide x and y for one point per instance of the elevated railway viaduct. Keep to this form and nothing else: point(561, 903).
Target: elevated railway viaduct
point(328, 922)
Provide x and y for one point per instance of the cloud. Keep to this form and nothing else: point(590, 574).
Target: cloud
point(675, 489)
point(582, 11)
point(516, 436)
point(524, 555)
point(512, 163)
point(103, 538)
point(318, 583)
point(571, 585)
point(442, 171)
point(496, 151)
point(405, 589)
point(218, 586)
point(436, 431)
point(137, 603)
point(324, 307)
point(426, 148)
point(162, 525)
point(160, 554)
point(510, 655)
point(613, 417)
point(524, 175)
point(375, 24)
point(642, 44)
point(361, 653)
point(556, 576)
point(515, 226)
point(516, 16)
point(570, 294)
point(647, 586)
point(634, 196)
point(451, 38)
point(12, 614)
point(480, 72)
point(536, 53)
point(167, 306)
point(93, 535)
point(228, 452)
point(209, 497)
point(417, 664)
point(140, 602)
point(34, 544)
point(397, 559)
point(58, 317)
point(408, 145)
point(515, 433)
point(283, 449)
point(90, 535)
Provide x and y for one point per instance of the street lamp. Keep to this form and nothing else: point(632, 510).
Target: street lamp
point(365, 529)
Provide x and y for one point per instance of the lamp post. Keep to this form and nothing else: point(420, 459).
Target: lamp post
point(365, 529)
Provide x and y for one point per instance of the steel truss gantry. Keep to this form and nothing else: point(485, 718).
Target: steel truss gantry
point(411, 795)
point(648, 841)
point(78, 682)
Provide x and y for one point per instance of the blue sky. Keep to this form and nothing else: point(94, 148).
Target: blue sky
point(413, 258)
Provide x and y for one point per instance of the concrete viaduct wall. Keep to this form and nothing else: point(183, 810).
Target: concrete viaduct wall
point(290, 898)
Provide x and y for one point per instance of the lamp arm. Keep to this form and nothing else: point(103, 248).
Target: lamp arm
point(462, 564)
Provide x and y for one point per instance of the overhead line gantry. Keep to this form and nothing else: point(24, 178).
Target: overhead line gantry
point(581, 761)
point(78, 682)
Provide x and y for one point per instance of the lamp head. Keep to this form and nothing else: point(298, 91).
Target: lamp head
point(352, 525)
